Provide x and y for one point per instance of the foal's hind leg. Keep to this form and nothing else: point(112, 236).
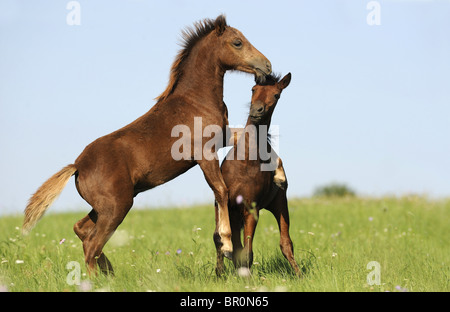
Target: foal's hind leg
point(82, 228)
point(109, 214)
point(279, 208)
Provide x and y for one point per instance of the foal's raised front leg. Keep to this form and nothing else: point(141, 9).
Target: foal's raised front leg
point(220, 265)
point(213, 176)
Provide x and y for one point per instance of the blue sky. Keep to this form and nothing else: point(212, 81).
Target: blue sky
point(368, 105)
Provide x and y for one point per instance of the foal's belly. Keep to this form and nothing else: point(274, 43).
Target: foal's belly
point(161, 174)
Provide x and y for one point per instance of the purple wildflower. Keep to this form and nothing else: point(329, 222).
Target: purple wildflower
point(400, 288)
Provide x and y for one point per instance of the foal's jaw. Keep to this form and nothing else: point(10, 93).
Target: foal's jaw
point(256, 119)
point(260, 67)
point(261, 118)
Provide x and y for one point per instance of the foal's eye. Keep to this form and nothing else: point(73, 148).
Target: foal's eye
point(237, 43)
point(253, 90)
point(277, 96)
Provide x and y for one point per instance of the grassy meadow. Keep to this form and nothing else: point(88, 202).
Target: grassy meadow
point(172, 250)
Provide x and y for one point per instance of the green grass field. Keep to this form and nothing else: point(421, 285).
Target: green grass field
point(172, 250)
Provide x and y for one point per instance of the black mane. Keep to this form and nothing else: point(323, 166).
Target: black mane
point(270, 80)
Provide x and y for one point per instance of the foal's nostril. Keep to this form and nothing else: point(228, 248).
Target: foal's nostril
point(260, 109)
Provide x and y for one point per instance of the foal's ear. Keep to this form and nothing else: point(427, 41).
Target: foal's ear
point(285, 81)
point(220, 24)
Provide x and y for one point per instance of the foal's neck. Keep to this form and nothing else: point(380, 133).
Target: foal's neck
point(265, 123)
point(203, 74)
point(261, 132)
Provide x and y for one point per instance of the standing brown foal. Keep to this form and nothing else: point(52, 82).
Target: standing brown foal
point(250, 188)
point(113, 169)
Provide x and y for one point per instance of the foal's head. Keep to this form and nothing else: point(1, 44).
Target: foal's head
point(237, 53)
point(265, 97)
point(227, 44)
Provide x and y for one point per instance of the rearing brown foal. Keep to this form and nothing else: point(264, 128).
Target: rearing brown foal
point(250, 187)
point(113, 169)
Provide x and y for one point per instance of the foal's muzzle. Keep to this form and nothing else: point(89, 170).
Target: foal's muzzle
point(262, 68)
point(257, 112)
